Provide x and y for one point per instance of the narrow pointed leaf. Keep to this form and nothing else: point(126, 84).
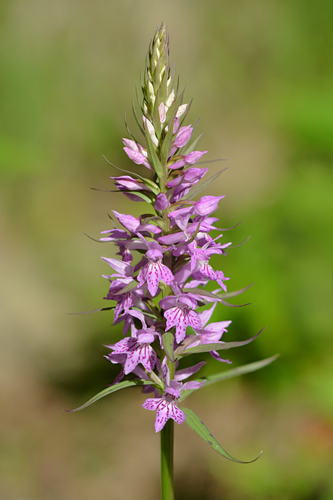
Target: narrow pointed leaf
point(241, 370)
point(224, 302)
point(184, 116)
point(123, 170)
point(128, 130)
point(234, 372)
point(201, 291)
point(229, 295)
point(199, 427)
point(110, 390)
point(214, 347)
point(152, 155)
point(137, 119)
point(154, 187)
point(94, 311)
point(242, 243)
point(141, 195)
point(207, 293)
point(205, 162)
point(168, 344)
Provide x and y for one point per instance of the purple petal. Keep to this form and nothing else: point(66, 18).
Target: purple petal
point(137, 157)
point(177, 164)
point(216, 356)
point(183, 136)
point(172, 391)
point(147, 357)
point(127, 182)
point(193, 385)
point(194, 319)
point(193, 157)
point(187, 372)
point(177, 414)
point(131, 362)
point(128, 221)
point(207, 204)
point(152, 403)
point(121, 267)
point(193, 175)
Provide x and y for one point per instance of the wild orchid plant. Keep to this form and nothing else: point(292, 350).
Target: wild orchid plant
point(162, 293)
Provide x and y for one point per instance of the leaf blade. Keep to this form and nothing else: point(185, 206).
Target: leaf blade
point(109, 390)
point(168, 345)
point(199, 427)
point(215, 346)
point(234, 372)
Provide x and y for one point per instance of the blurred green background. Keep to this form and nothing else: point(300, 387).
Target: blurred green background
point(261, 75)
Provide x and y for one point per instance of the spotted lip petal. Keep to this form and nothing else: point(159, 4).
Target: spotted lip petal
point(152, 274)
point(166, 406)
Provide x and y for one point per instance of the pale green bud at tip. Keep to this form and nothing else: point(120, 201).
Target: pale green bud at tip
point(170, 99)
point(151, 132)
point(181, 110)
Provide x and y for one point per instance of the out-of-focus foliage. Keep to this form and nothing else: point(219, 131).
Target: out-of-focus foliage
point(261, 75)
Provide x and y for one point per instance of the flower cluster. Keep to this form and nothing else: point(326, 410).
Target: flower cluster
point(159, 295)
point(158, 284)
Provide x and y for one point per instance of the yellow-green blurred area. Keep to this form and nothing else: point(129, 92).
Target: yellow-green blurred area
point(261, 76)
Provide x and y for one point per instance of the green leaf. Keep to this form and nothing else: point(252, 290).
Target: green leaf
point(241, 370)
point(141, 195)
point(201, 291)
point(126, 171)
point(152, 155)
point(197, 189)
point(234, 372)
point(229, 295)
point(213, 347)
point(168, 344)
point(137, 119)
point(110, 390)
point(199, 427)
point(94, 311)
point(154, 187)
point(166, 145)
point(207, 293)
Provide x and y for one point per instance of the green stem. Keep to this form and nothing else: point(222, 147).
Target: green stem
point(167, 488)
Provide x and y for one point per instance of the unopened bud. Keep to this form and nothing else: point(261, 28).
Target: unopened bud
point(162, 112)
point(161, 202)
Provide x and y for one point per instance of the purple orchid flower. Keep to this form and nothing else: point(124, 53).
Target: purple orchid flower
point(182, 138)
point(134, 225)
point(203, 207)
point(154, 271)
point(209, 334)
point(166, 406)
point(185, 160)
point(183, 183)
point(180, 312)
point(137, 350)
point(164, 255)
point(127, 183)
point(136, 153)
